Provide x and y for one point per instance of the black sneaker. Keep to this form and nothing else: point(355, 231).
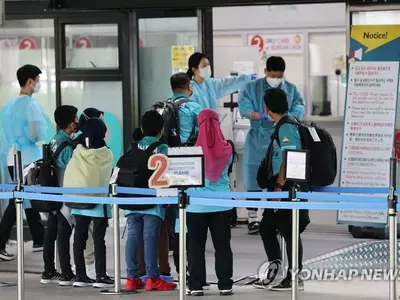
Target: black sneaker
point(50, 277)
point(83, 282)
point(103, 282)
point(286, 285)
point(37, 248)
point(253, 228)
point(206, 286)
point(226, 292)
point(6, 256)
point(197, 293)
point(67, 280)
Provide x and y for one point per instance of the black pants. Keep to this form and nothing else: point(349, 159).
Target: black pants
point(10, 216)
point(58, 229)
point(281, 221)
point(80, 237)
point(171, 220)
point(220, 228)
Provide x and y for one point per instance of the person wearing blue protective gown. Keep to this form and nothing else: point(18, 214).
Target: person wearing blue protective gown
point(207, 90)
point(251, 106)
point(23, 124)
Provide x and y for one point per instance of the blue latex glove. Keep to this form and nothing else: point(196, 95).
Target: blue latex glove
point(253, 76)
point(264, 116)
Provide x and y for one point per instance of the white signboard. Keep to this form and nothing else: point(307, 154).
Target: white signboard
point(278, 44)
point(243, 67)
point(369, 131)
point(296, 165)
point(185, 171)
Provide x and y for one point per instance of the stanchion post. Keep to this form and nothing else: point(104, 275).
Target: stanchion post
point(20, 226)
point(392, 215)
point(295, 243)
point(283, 252)
point(183, 201)
point(117, 246)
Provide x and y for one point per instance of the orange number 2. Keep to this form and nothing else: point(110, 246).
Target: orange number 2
point(159, 163)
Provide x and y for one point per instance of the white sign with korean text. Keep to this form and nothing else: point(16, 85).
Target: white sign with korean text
point(278, 44)
point(369, 127)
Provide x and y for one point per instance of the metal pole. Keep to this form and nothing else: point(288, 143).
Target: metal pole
point(295, 245)
point(283, 253)
point(20, 226)
point(392, 214)
point(182, 201)
point(117, 246)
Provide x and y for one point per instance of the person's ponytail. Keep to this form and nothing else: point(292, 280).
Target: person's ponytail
point(190, 73)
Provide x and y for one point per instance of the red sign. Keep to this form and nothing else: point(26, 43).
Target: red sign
point(27, 43)
point(159, 163)
point(397, 144)
point(258, 41)
point(83, 42)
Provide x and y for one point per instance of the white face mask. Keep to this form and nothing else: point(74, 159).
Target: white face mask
point(205, 72)
point(274, 82)
point(36, 89)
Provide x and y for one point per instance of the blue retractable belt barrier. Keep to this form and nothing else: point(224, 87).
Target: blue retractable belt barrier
point(341, 198)
point(63, 190)
point(352, 190)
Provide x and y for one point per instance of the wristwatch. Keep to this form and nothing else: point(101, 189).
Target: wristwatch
point(278, 186)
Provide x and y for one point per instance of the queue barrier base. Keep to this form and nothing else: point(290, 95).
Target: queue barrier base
point(7, 284)
point(121, 292)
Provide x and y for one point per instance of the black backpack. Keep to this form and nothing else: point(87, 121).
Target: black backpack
point(133, 172)
point(170, 115)
point(44, 174)
point(230, 169)
point(323, 158)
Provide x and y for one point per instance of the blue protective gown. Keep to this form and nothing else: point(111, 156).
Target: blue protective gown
point(208, 92)
point(22, 123)
point(251, 99)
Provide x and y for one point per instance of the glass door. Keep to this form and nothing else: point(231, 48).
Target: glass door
point(165, 44)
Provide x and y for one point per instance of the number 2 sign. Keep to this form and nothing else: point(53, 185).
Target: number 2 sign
point(160, 164)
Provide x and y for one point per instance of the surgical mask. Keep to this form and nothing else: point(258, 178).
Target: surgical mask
point(205, 72)
point(36, 89)
point(274, 82)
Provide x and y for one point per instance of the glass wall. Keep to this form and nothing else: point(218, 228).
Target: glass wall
point(29, 42)
point(105, 96)
point(327, 73)
point(165, 46)
point(91, 46)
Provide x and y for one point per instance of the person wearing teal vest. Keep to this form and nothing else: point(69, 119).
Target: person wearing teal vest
point(252, 107)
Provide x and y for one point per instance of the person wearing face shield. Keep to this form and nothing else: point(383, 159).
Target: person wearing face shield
point(24, 126)
point(251, 106)
point(207, 90)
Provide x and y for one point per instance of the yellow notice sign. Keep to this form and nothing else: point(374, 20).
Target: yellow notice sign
point(375, 36)
point(180, 56)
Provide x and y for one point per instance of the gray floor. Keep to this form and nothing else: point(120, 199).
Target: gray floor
point(248, 252)
point(248, 256)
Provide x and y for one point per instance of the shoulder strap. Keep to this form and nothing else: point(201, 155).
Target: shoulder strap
point(60, 148)
point(284, 120)
point(182, 100)
point(152, 147)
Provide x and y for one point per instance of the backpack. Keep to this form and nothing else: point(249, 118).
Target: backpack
point(43, 173)
point(230, 169)
point(169, 111)
point(323, 158)
point(133, 172)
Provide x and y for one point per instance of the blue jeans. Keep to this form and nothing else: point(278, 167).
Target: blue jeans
point(147, 228)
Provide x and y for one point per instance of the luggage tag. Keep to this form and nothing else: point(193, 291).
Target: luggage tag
point(314, 134)
point(26, 170)
point(114, 176)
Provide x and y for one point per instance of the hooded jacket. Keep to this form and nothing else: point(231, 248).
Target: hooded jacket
point(90, 168)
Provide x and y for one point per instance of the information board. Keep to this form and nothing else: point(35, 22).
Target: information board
point(370, 115)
